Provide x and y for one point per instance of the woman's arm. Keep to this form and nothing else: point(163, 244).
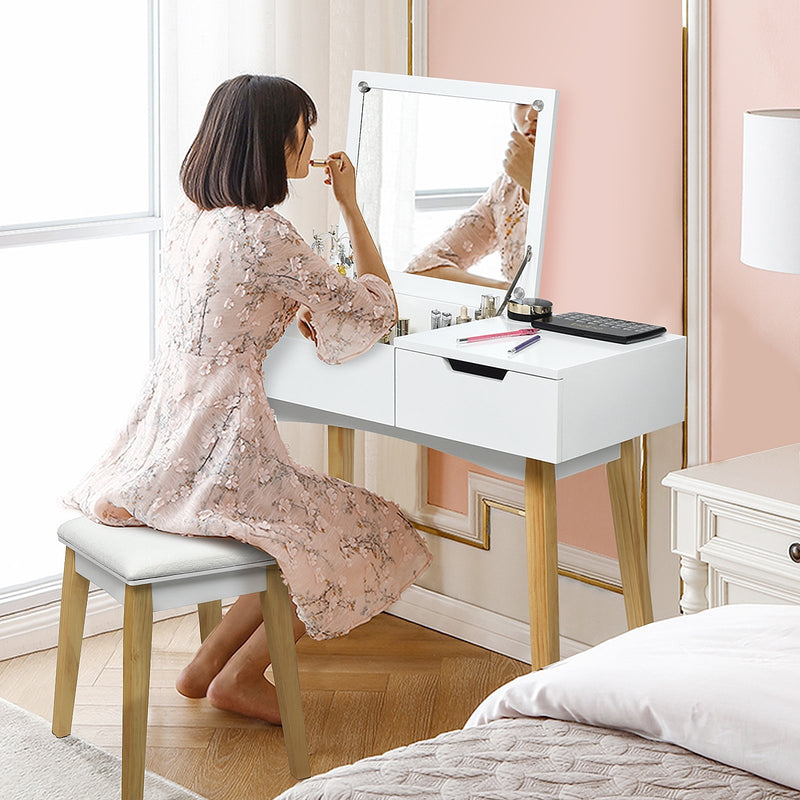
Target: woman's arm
point(462, 276)
point(342, 176)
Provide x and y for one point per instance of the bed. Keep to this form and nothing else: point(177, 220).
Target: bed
point(701, 707)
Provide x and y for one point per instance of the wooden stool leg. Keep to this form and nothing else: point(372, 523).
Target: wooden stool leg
point(623, 488)
point(341, 450)
point(542, 539)
point(276, 607)
point(137, 638)
point(209, 615)
point(74, 593)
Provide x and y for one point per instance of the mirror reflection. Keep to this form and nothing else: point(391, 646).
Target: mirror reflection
point(445, 183)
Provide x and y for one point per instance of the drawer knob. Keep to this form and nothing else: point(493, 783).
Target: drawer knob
point(794, 552)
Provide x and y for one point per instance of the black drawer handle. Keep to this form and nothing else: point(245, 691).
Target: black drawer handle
point(794, 552)
point(477, 369)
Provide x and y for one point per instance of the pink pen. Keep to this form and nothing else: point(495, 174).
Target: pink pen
point(488, 336)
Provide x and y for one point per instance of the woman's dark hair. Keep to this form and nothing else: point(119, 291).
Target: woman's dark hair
point(238, 157)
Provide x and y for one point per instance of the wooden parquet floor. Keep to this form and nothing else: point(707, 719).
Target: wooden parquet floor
point(386, 684)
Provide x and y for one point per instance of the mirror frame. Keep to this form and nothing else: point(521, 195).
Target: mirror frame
point(454, 291)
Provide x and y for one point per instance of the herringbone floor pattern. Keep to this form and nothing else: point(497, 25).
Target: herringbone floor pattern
point(385, 684)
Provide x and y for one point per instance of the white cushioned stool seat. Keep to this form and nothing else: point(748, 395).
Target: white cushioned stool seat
point(143, 555)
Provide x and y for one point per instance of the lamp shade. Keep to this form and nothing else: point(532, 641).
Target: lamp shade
point(771, 190)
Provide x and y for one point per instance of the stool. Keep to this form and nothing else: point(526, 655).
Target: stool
point(147, 570)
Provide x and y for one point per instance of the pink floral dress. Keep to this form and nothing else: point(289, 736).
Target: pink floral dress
point(496, 222)
point(201, 454)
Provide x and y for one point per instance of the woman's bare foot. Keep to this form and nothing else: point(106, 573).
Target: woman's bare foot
point(245, 693)
point(197, 675)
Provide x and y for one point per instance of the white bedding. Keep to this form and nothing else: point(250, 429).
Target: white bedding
point(724, 683)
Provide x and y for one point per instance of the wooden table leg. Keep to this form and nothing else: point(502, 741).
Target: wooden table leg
point(341, 452)
point(623, 488)
point(542, 541)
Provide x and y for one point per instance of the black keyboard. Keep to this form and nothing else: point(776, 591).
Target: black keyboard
point(607, 329)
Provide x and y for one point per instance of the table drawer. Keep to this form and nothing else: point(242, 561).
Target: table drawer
point(362, 387)
point(503, 410)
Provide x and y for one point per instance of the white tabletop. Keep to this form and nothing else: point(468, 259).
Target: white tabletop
point(552, 357)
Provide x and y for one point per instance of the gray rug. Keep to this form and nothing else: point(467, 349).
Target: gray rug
point(34, 765)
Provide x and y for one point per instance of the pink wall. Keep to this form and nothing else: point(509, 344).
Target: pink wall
point(755, 315)
point(614, 229)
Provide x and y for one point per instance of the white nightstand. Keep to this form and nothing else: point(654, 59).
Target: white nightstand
point(736, 526)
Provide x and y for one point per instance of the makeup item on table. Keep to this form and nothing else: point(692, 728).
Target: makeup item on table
point(529, 309)
point(522, 345)
point(436, 318)
point(512, 291)
point(478, 314)
point(487, 337)
point(463, 316)
point(488, 305)
point(401, 328)
point(386, 338)
point(447, 319)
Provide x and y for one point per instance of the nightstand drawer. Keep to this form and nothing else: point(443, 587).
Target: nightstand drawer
point(770, 535)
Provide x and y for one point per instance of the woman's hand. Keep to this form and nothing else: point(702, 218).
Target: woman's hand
point(304, 324)
point(341, 175)
point(518, 161)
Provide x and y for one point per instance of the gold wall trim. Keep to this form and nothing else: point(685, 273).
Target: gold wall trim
point(410, 38)
point(483, 542)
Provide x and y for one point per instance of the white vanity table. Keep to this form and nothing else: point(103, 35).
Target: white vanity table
point(736, 526)
point(559, 407)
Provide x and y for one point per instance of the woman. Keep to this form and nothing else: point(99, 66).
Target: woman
point(496, 223)
point(201, 454)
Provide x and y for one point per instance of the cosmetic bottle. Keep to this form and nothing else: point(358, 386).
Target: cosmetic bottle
point(401, 328)
point(447, 319)
point(488, 307)
point(463, 316)
point(436, 318)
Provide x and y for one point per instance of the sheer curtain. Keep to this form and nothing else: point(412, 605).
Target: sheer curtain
point(316, 43)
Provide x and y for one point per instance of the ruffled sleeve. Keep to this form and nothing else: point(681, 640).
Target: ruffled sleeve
point(348, 315)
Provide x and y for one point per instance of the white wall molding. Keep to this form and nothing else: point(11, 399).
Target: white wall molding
point(473, 624)
point(29, 617)
point(698, 422)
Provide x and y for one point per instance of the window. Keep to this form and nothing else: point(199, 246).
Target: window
point(79, 230)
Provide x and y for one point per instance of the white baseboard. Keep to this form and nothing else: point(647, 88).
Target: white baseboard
point(488, 629)
point(33, 629)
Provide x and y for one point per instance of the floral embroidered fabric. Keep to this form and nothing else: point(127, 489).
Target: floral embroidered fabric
point(201, 453)
point(496, 222)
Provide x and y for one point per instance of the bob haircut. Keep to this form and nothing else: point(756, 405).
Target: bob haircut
point(238, 157)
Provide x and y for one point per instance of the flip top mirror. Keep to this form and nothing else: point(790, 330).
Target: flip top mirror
point(453, 180)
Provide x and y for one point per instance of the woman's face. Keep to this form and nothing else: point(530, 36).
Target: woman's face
point(297, 163)
point(525, 119)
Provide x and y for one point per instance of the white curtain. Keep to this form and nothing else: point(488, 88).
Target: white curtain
point(316, 43)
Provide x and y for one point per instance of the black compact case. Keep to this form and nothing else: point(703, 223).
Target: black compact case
point(529, 309)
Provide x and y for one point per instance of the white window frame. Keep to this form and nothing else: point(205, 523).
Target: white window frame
point(30, 610)
point(120, 224)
